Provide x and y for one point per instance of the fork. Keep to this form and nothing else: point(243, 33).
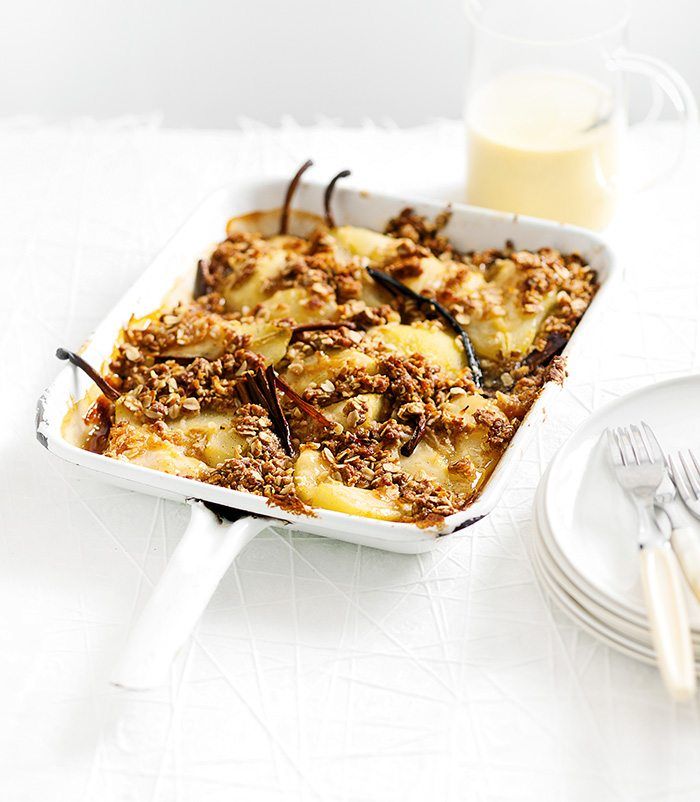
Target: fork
point(640, 471)
point(686, 477)
point(684, 539)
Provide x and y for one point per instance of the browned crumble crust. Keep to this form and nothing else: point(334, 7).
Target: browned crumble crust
point(555, 371)
point(364, 317)
point(127, 443)
point(423, 231)
point(407, 262)
point(524, 392)
point(364, 459)
point(348, 382)
point(237, 255)
point(499, 431)
point(183, 326)
point(309, 342)
point(195, 360)
point(271, 476)
point(264, 469)
point(318, 271)
point(169, 389)
point(578, 286)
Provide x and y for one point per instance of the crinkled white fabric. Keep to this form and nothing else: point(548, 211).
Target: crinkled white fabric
point(321, 671)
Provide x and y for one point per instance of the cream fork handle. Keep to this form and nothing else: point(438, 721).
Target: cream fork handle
point(686, 544)
point(196, 567)
point(668, 619)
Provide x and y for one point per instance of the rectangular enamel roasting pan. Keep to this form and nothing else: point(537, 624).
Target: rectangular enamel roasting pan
point(469, 228)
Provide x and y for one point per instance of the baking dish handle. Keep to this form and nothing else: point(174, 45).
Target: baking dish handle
point(207, 548)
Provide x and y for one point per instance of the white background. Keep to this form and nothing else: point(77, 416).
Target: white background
point(208, 63)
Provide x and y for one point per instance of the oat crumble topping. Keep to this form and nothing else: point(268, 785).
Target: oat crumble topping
point(383, 417)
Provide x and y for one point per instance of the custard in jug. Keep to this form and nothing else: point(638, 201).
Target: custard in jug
point(544, 144)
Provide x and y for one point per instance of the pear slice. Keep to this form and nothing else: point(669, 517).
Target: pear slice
point(512, 334)
point(381, 249)
point(267, 339)
point(427, 462)
point(320, 367)
point(365, 242)
point(140, 445)
point(436, 345)
point(313, 486)
point(212, 435)
point(473, 443)
point(309, 470)
point(298, 303)
point(249, 290)
point(332, 495)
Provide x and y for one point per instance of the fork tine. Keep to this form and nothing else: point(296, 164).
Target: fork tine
point(695, 462)
point(677, 474)
point(657, 453)
point(629, 455)
point(690, 476)
point(639, 444)
point(618, 439)
point(614, 448)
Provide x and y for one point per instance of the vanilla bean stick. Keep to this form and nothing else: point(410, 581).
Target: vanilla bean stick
point(256, 389)
point(555, 342)
point(257, 393)
point(397, 287)
point(291, 189)
point(328, 194)
point(201, 279)
point(277, 409)
point(271, 403)
point(86, 367)
point(409, 447)
point(304, 406)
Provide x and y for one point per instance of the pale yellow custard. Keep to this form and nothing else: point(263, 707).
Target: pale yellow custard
point(544, 144)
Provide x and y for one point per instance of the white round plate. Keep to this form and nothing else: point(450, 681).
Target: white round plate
point(610, 636)
point(581, 609)
point(588, 623)
point(632, 626)
point(587, 522)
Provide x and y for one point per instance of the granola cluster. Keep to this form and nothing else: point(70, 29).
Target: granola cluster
point(366, 459)
point(422, 231)
point(264, 469)
point(170, 389)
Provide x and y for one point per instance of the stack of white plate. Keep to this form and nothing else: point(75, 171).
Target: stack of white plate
point(585, 549)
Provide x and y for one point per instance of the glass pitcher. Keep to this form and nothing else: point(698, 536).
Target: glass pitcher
point(546, 110)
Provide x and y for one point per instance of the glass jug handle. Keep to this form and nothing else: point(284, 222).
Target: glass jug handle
point(665, 80)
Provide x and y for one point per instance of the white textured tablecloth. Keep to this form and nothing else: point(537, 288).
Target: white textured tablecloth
point(321, 671)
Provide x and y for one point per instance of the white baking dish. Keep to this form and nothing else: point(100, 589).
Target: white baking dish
point(469, 228)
